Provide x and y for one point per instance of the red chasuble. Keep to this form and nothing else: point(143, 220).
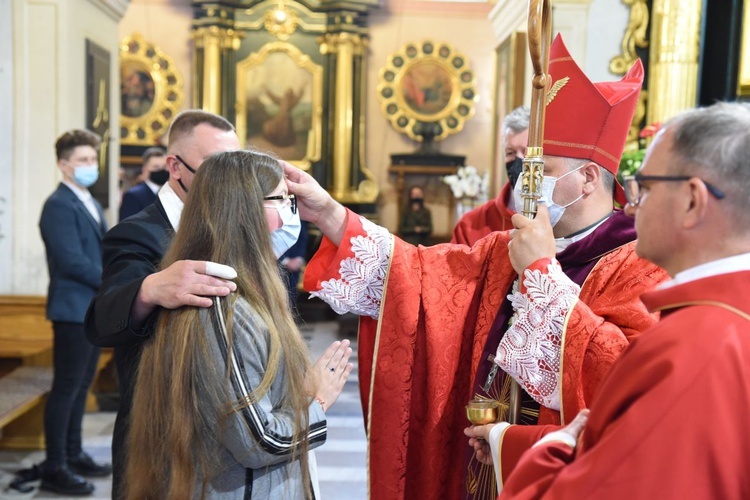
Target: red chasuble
point(417, 365)
point(671, 420)
point(490, 217)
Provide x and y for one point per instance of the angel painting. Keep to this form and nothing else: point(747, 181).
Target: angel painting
point(278, 104)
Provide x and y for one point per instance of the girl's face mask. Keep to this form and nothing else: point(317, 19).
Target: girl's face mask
point(284, 237)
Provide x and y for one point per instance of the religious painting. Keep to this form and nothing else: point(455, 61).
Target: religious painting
point(150, 92)
point(427, 86)
point(510, 81)
point(279, 103)
point(137, 90)
point(97, 113)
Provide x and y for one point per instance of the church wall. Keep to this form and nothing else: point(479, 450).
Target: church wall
point(42, 65)
point(464, 26)
point(49, 72)
point(605, 29)
point(6, 143)
point(167, 24)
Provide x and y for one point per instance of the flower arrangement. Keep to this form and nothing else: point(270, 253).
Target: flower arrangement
point(631, 160)
point(468, 183)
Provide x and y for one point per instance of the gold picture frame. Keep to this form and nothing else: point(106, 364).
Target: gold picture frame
point(743, 78)
point(150, 90)
point(427, 82)
point(280, 103)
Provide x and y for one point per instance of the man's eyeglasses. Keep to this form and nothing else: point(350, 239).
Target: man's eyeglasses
point(634, 189)
point(286, 199)
point(191, 169)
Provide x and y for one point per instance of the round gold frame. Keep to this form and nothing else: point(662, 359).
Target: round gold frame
point(143, 124)
point(427, 83)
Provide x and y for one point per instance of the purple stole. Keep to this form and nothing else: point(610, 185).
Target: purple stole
point(576, 261)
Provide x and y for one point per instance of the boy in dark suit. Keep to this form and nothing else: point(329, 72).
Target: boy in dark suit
point(154, 175)
point(72, 226)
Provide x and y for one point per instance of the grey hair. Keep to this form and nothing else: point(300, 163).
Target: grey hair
point(714, 142)
point(516, 121)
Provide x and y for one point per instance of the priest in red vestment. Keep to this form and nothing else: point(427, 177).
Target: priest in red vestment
point(671, 418)
point(496, 213)
point(444, 324)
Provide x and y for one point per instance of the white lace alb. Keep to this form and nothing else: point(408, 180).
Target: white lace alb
point(531, 348)
point(360, 288)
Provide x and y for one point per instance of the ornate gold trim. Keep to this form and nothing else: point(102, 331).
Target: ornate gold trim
point(280, 22)
point(294, 10)
point(302, 61)
point(673, 58)
point(144, 121)
point(635, 36)
point(743, 81)
point(401, 111)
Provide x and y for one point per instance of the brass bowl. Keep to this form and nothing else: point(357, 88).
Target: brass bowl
point(482, 411)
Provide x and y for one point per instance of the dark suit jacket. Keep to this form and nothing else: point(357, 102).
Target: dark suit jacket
point(73, 242)
point(136, 199)
point(133, 250)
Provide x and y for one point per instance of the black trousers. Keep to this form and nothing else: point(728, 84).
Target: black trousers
point(75, 361)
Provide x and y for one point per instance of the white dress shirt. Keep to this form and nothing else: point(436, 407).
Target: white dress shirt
point(84, 195)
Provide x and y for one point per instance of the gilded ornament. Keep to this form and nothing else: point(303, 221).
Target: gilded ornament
point(427, 89)
point(151, 91)
point(280, 22)
point(552, 93)
point(635, 36)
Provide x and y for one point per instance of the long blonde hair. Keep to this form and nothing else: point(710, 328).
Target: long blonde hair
point(181, 402)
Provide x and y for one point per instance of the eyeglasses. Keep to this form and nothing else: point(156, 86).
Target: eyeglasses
point(634, 189)
point(191, 169)
point(286, 199)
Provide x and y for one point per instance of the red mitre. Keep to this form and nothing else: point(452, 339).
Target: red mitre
point(588, 120)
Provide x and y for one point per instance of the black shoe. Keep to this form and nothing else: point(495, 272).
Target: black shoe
point(84, 465)
point(62, 480)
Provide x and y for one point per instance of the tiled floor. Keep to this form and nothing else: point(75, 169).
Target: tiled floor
point(341, 460)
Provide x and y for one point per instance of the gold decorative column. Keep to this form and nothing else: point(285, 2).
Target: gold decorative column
point(211, 45)
point(673, 70)
point(348, 119)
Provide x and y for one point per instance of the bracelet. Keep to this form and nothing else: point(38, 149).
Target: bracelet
point(321, 403)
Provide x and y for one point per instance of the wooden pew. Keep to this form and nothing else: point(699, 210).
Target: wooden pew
point(26, 341)
point(25, 370)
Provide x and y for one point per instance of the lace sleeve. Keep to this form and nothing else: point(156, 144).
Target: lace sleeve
point(359, 290)
point(531, 348)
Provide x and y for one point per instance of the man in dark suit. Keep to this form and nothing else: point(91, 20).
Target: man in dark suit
point(72, 226)
point(123, 312)
point(154, 175)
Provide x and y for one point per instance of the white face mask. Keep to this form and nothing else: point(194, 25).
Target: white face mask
point(284, 237)
point(548, 188)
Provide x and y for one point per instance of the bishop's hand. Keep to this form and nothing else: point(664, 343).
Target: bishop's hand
point(315, 204)
point(532, 240)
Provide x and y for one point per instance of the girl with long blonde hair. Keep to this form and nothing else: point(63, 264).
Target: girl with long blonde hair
point(226, 403)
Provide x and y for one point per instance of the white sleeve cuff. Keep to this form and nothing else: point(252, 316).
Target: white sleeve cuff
point(557, 437)
point(494, 438)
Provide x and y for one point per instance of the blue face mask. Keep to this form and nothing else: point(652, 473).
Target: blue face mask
point(284, 237)
point(86, 175)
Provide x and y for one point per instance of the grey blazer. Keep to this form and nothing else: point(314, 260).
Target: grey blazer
point(256, 460)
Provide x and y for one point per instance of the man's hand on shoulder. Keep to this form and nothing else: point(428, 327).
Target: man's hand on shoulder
point(184, 283)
